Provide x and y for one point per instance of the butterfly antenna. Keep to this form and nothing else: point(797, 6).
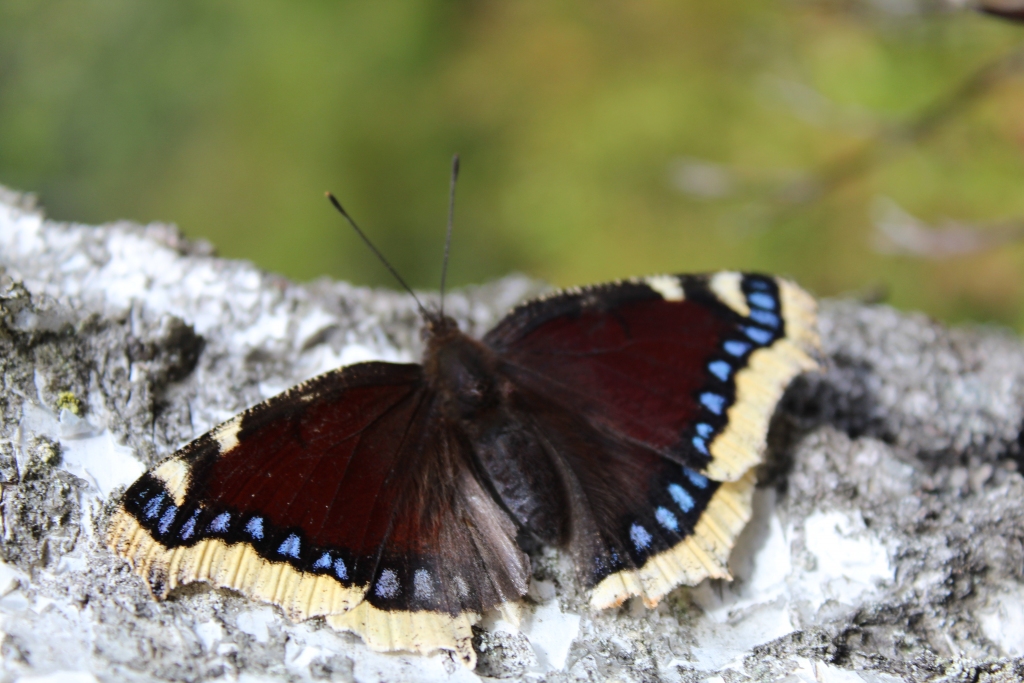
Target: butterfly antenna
point(343, 212)
point(451, 220)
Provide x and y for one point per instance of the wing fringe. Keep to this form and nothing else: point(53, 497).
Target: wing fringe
point(703, 554)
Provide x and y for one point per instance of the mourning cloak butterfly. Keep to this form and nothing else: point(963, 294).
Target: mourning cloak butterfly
point(619, 422)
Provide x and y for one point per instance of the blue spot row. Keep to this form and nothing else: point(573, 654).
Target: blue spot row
point(220, 524)
point(340, 570)
point(290, 547)
point(763, 307)
point(762, 311)
point(700, 442)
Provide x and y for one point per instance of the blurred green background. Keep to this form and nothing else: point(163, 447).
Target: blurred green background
point(867, 147)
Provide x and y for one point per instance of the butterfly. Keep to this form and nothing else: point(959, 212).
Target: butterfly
point(618, 422)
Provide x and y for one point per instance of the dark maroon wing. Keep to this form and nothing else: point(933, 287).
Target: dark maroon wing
point(688, 366)
point(344, 496)
point(638, 523)
point(652, 399)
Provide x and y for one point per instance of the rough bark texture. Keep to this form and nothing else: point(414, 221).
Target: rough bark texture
point(886, 545)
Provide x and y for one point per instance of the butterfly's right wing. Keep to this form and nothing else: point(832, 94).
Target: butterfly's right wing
point(348, 497)
point(647, 403)
point(691, 366)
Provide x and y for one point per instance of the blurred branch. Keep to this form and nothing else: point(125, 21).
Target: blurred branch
point(772, 203)
point(835, 175)
point(898, 232)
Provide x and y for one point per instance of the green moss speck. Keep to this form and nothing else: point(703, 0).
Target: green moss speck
point(67, 399)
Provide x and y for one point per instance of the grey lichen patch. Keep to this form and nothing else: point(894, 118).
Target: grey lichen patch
point(501, 654)
point(8, 463)
point(612, 656)
point(775, 660)
point(40, 363)
point(332, 668)
point(40, 509)
point(41, 456)
point(954, 540)
point(908, 381)
point(13, 298)
point(130, 364)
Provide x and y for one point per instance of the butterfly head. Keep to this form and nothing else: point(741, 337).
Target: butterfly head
point(438, 328)
point(459, 368)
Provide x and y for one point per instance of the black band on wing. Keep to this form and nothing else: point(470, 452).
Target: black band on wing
point(760, 327)
point(150, 502)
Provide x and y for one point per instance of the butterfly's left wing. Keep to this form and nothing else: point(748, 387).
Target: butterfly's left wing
point(348, 497)
point(652, 398)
